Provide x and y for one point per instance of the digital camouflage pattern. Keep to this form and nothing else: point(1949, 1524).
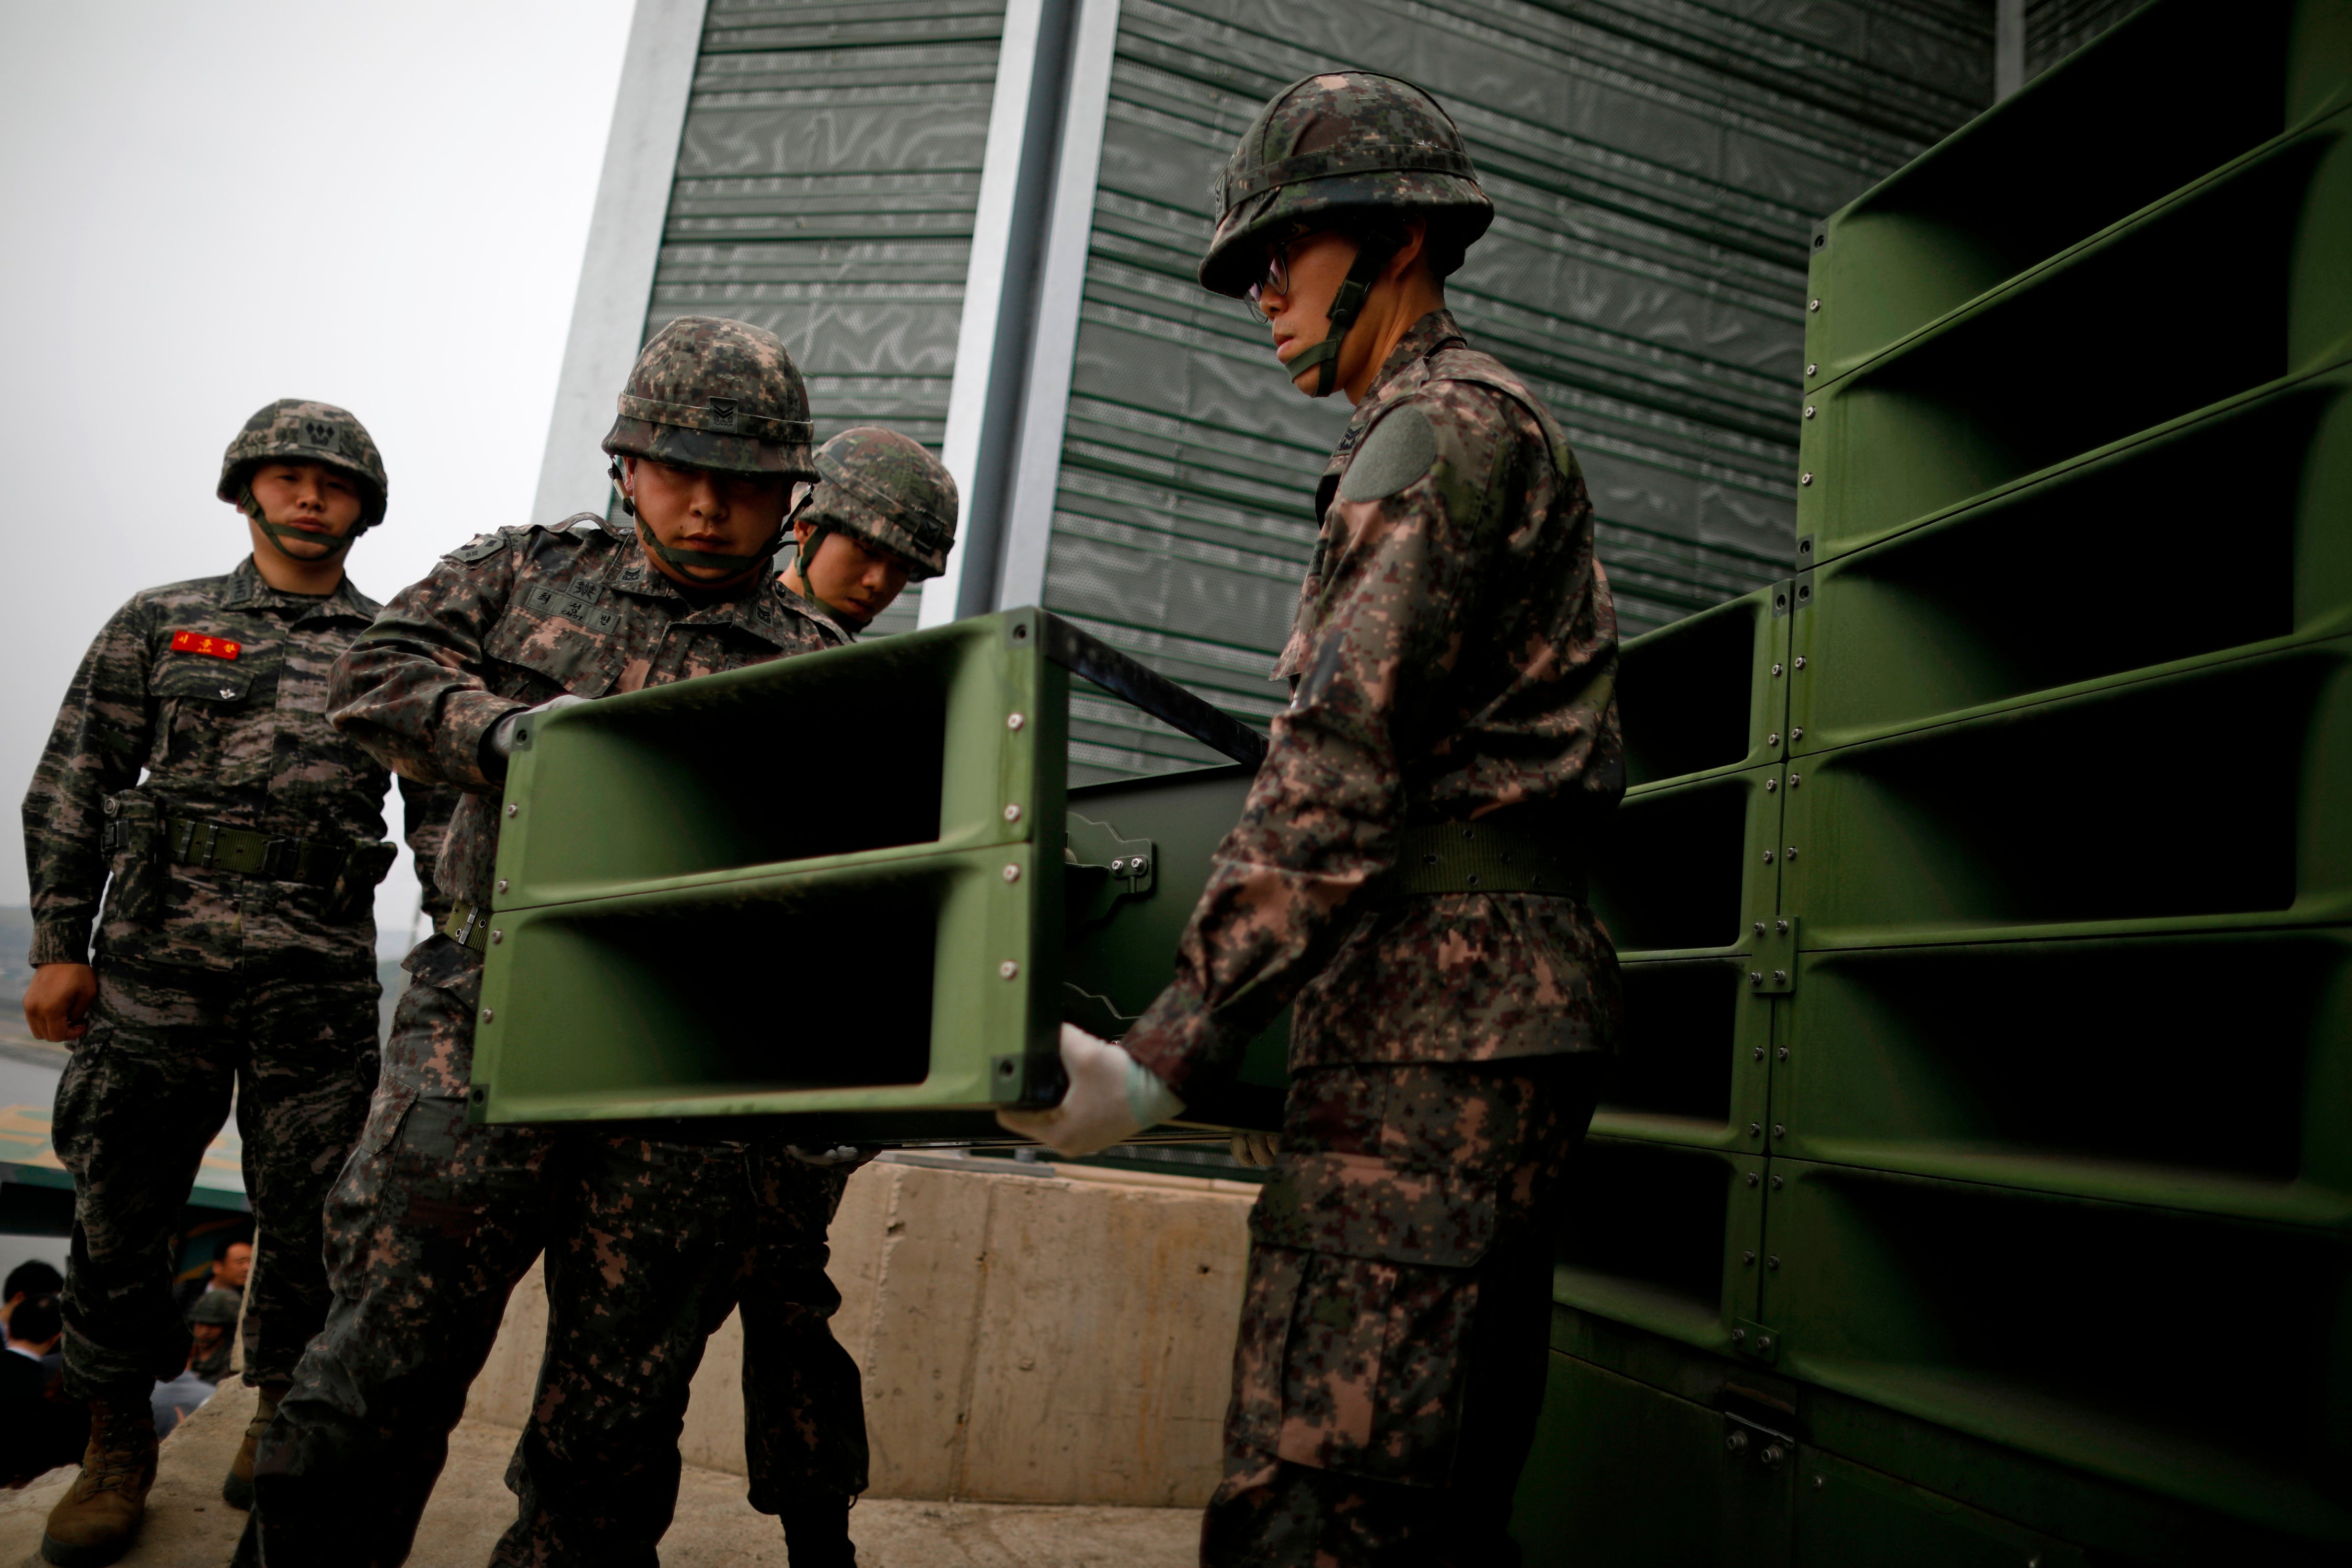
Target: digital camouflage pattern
point(241, 741)
point(142, 1095)
point(648, 1245)
point(1454, 658)
point(709, 393)
point(1342, 141)
point(521, 615)
point(887, 490)
point(1399, 1276)
point(209, 978)
point(297, 430)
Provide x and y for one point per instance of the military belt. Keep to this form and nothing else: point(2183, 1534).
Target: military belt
point(1481, 858)
point(469, 927)
point(218, 848)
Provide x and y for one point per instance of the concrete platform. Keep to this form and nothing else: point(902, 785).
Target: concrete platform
point(189, 1527)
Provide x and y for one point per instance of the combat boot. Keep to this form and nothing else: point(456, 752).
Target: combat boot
point(237, 1490)
point(95, 1521)
point(817, 1531)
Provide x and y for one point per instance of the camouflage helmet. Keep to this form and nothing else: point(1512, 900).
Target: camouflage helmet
point(218, 1308)
point(886, 490)
point(297, 430)
point(1343, 141)
point(708, 393)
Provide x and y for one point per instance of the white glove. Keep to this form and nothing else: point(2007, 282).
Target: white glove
point(501, 742)
point(1257, 1148)
point(1111, 1098)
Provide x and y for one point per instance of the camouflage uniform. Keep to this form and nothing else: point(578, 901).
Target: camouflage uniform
point(1453, 660)
point(209, 979)
point(648, 1245)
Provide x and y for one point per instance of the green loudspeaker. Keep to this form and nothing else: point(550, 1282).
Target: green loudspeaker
point(851, 889)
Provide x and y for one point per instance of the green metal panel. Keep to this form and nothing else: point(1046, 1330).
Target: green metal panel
point(1632, 1477)
point(1118, 952)
point(1667, 1238)
point(2028, 1319)
point(1985, 607)
point(1906, 418)
point(1673, 875)
point(2083, 149)
point(2034, 821)
point(667, 935)
point(675, 936)
point(2049, 1025)
point(2060, 1066)
point(1891, 1486)
point(1849, 1516)
point(1707, 693)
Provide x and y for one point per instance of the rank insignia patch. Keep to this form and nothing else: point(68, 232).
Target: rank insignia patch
point(197, 642)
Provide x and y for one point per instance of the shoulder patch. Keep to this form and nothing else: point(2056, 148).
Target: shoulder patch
point(1399, 450)
point(481, 548)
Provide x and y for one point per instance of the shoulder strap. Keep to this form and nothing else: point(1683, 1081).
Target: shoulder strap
point(1485, 370)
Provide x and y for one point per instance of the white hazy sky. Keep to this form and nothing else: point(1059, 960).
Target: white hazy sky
point(207, 205)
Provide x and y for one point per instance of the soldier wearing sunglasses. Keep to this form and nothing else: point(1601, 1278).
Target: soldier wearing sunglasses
point(1409, 870)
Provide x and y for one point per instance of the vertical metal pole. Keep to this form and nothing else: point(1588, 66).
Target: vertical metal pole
point(2008, 47)
point(1062, 288)
point(1003, 388)
point(624, 236)
point(986, 281)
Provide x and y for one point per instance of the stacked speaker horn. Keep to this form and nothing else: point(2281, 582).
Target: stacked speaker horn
point(1978, 1186)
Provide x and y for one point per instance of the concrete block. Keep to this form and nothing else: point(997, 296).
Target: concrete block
point(1025, 1336)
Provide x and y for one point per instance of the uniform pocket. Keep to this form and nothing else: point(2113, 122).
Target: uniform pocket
point(548, 645)
point(134, 832)
point(218, 717)
point(1359, 1205)
point(1354, 1365)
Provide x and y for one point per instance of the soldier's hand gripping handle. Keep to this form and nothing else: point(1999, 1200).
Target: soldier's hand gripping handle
point(59, 999)
point(1111, 1098)
point(498, 744)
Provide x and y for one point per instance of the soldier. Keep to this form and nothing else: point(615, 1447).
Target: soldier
point(883, 514)
point(236, 946)
point(434, 1220)
point(1409, 868)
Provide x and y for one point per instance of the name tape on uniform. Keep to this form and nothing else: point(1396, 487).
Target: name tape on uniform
point(197, 642)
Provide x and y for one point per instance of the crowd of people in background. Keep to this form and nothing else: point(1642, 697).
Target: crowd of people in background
point(40, 1427)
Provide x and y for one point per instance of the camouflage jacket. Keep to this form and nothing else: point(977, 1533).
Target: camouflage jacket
point(1454, 657)
point(523, 614)
point(217, 688)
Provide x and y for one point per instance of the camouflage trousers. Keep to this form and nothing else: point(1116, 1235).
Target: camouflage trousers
point(1390, 1366)
point(143, 1093)
point(648, 1246)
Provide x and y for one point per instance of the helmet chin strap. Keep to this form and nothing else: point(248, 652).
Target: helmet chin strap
point(707, 559)
point(1371, 255)
point(279, 534)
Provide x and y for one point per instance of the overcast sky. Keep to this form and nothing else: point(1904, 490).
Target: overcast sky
point(204, 206)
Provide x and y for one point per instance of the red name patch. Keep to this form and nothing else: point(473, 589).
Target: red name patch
point(197, 642)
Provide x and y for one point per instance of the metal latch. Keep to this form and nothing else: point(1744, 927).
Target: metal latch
point(1101, 868)
point(1772, 956)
